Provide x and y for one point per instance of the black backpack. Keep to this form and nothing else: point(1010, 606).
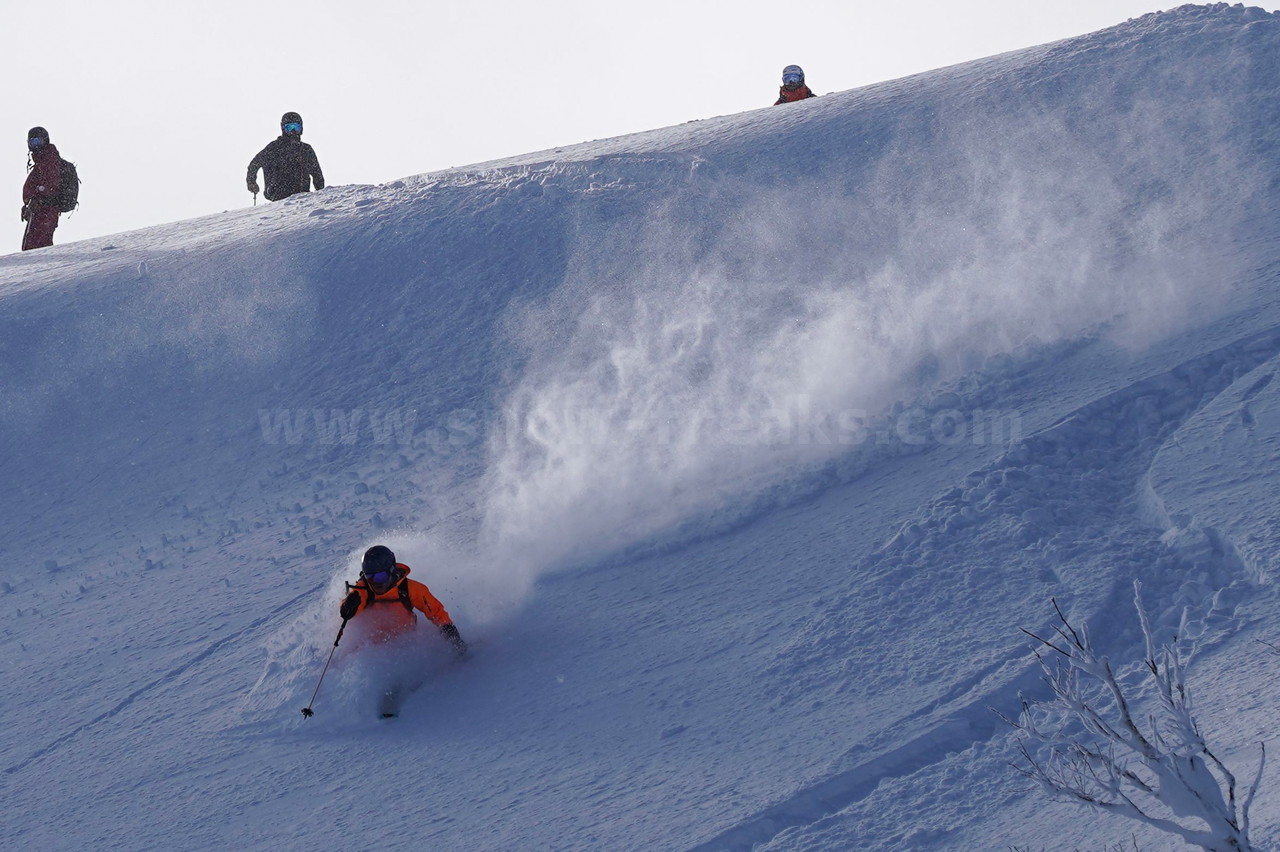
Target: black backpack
point(68, 197)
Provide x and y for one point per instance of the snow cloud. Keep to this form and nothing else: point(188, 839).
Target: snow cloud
point(668, 374)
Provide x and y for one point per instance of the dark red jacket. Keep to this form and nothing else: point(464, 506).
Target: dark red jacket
point(44, 181)
point(786, 96)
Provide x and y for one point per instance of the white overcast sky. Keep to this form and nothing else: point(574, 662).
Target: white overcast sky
point(162, 103)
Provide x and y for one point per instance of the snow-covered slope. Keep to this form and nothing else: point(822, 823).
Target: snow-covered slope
point(740, 450)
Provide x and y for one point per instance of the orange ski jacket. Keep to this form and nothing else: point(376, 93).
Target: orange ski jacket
point(391, 603)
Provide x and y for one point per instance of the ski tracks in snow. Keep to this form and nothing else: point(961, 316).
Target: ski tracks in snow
point(177, 671)
point(1059, 500)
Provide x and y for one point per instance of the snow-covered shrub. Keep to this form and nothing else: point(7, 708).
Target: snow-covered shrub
point(1090, 745)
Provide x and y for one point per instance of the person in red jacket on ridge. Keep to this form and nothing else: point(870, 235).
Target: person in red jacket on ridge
point(793, 87)
point(389, 597)
point(40, 192)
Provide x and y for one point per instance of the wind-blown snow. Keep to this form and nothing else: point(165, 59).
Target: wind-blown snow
point(739, 449)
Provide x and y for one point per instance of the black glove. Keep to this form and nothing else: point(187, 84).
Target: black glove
point(26, 213)
point(450, 632)
point(350, 606)
point(252, 186)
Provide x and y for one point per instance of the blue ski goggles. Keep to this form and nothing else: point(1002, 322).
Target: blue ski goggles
point(792, 79)
point(293, 128)
point(379, 579)
point(36, 142)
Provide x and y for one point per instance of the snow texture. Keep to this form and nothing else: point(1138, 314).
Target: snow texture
point(740, 450)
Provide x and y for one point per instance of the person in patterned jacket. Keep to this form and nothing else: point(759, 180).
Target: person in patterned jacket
point(41, 191)
point(288, 164)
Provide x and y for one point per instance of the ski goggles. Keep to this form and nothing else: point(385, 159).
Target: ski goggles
point(294, 128)
point(36, 142)
point(792, 79)
point(379, 579)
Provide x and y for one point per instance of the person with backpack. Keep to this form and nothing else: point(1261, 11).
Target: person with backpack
point(41, 194)
point(288, 164)
point(386, 598)
point(793, 87)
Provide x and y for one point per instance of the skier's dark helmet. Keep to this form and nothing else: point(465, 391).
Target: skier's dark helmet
point(37, 137)
point(793, 76)
point(291, 124)
point(378, 567)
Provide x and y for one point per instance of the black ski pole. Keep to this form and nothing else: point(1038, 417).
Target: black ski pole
point(307, 712)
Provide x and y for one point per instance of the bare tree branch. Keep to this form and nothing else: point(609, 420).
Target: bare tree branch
point(1093, 749)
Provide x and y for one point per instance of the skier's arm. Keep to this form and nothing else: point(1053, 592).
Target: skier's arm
point(426, 603)
point(353, 604)
point(313, 166)
point(420, 596)
point(251, 179)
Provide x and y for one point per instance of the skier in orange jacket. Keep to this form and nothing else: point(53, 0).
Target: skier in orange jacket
point(390, 597)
